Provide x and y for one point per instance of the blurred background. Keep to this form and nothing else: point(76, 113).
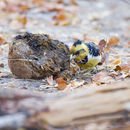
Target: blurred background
point(66, 20)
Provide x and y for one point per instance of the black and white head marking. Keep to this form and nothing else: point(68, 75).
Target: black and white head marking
point(77, 43)
point(93, 49)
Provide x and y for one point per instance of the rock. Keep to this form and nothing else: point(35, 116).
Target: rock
point(37, 56)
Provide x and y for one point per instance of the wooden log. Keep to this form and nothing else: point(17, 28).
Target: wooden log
point(107, 102)
point(79, 107)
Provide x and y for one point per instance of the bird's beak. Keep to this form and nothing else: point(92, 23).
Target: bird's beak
point(72, 57)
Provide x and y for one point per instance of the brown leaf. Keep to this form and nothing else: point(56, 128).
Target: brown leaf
point(61, 83)
point(23, 20)
point(12, 86)
point(125, 67)
point(50, 80)
point(102, 44)
point(102, 77)
point(2, 75)
point(1, 51)
point(118, 68)
point(74, 2)
point(113, 41)
point(23, 7)
point(117, 62)
point(39, 2)
point(65, 18)
point(15, 7)
point(2, 40)
point(60, 1)
point(1, 65)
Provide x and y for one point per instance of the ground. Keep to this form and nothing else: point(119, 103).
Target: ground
point(67, 21)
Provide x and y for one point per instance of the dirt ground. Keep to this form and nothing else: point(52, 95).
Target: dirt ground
point(67, 21)
point(92, 21)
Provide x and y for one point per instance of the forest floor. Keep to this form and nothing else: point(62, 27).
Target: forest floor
point(87, 20)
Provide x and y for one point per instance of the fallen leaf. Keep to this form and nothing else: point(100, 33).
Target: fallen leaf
point(12, 86)
point(12, 7)
point(74, 2)
point(2, 75)
point(102, 44)
point(117, 62)
point(102, 77)
point(24, 87)
point(1, 65)
point(113, 74)
point(125, 67)
point(113, 41)
point(61, 83)
point(65, 18)
point(23, 7)
point(78, 83)
point(118, 68)
point(2, 40)
point(39, 2)
point(23, 20)
point(50, 80)
point(60, 1)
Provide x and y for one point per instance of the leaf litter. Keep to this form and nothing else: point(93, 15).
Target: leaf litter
point(66, 15)
point(63, 17)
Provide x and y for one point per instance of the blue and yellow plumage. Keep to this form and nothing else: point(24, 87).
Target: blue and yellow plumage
point(86, 55)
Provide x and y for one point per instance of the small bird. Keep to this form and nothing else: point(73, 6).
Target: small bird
point(86, 55)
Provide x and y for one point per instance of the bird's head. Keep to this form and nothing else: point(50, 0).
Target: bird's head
point(78, 51)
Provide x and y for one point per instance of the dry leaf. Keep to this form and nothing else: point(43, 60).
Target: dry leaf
point(24, 87)
point(61, 83)
point(2, 40)
point(12, 7)
point(113, 41)
point(125, 67)
point(23, 20)
point(74, 2)
point(78, 83)
point(102, 77)
point(1, 65)
point(39, 2)
point(65, 18)
point(118, 68)
point(2, 75)
point(117, 62)
point(102, 44)
point(113, 74)
point(12, 86)
point(23, 7)
point(60, 1)
point(50, 80)
point(1, 51)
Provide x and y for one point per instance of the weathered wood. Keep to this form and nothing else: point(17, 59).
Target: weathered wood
point(82, 106)
point(106, 102)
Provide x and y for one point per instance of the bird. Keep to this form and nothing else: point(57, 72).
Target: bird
point(86, 55)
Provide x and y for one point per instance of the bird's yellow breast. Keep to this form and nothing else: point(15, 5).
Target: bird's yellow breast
point(90, 64)
point(86, 55)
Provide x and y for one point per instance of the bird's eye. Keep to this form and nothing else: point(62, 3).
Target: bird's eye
point(77, 53)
